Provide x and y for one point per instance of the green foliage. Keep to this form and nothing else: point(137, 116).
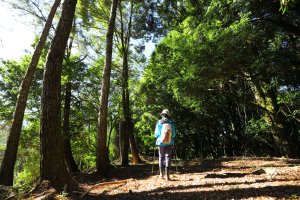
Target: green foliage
point(285, 4)
point(29, 171)
point(255, 127)
point(290, 101)
point(211, 67)
point(113, 146)
point(3, 138)
point(295, 196)
point(259, 133)
point(11, 74)
point(83, 10)
point(84, 151)
point(145, 126)
point(28, 162)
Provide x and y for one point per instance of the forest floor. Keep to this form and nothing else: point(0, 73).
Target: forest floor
point(223, 178)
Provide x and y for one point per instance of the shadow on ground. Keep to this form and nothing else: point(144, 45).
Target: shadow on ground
point(279, 192)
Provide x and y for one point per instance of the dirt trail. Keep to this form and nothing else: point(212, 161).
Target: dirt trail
point(224, 178)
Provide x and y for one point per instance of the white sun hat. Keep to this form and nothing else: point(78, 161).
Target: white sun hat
point(166, 111)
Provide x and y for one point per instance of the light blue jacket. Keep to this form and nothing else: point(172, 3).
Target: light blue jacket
point(157, 132)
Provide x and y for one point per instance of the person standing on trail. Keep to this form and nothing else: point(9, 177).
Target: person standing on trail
point(165, 133)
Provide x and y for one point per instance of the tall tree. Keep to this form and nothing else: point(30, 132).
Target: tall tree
point(102, 161)
point(127, 125)
point(9, 159)
point(53, 166)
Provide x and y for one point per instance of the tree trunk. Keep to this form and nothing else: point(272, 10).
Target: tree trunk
point(69, 159)
point(127, 133)
point(124, 142)
point(126, 119)
point(102, 161)
point(133, 146)
point(117, 139)
point(53, 167)
point(110, 132)
point(128, 125)
point(10, 154)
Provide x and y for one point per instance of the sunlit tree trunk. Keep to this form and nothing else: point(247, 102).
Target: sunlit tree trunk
point(53, 166)
point(10, 154)
point(133, 146)
point(102, 161)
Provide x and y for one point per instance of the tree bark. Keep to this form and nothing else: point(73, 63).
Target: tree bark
point(124, 143)
point(10, 154)
point(133, 146)
point(102, 161)
point(126, 119)
point(70, 161)
point(110, 132)
point(53, 166)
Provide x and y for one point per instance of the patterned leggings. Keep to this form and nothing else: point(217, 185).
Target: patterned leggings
point(165, 153)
